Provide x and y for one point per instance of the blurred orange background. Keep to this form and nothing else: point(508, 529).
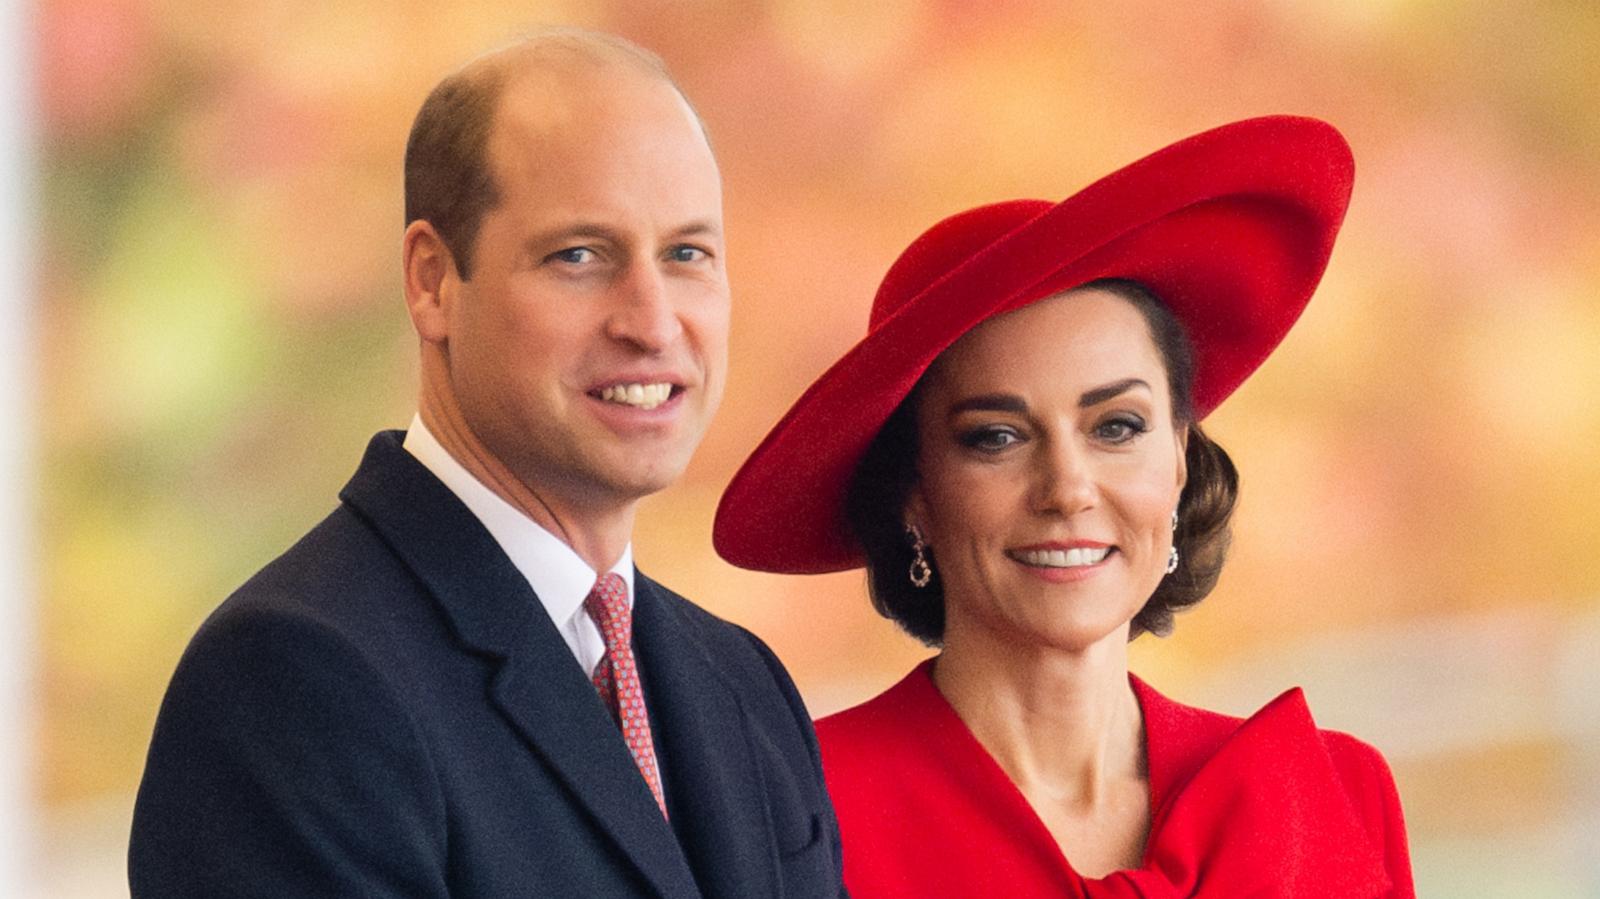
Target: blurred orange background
point(220, 328)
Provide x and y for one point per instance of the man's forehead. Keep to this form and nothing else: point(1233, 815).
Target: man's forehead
point(594, 118)
point(545, 105)
point(613, 149)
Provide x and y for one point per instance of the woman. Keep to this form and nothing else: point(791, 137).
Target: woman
point(1014, 452)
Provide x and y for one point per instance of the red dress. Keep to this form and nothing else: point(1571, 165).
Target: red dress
point(1266, 807)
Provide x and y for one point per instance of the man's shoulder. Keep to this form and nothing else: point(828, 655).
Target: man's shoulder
point(341, 588)
point(340, 558)
point(685, 611)
point(742, 660)
point(287, 701)
point(348, 564)
point(723, 639)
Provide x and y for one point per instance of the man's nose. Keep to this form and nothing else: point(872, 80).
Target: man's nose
point(644, 313)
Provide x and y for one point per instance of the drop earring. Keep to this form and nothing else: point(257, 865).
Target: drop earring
point(921, 572)
point(1172, 554)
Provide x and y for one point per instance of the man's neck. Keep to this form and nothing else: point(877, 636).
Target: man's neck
point(597, 534)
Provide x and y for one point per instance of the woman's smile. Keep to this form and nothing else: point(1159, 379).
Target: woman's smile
point(1062, 562)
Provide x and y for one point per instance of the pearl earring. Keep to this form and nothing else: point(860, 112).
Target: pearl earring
point(1172, 556)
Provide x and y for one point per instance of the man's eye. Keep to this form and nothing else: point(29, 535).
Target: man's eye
point(573, 255)
point(990, 440)
point(685, 253)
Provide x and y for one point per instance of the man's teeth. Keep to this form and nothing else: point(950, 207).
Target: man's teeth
point(641, 396)
point(1063, 558)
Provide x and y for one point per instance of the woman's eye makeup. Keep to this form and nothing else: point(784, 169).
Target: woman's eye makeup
point(1120, 428)
point(1115, 427)
point(989, 438)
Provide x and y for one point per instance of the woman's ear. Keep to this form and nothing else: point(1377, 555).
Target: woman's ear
point(915, 514)
point(1181, 437)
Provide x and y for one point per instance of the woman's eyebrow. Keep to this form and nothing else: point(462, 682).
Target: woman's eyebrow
point(1100, 394)
point(990, 402)
point(1010, 402)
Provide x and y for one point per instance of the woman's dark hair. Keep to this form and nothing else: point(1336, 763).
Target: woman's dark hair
point(876, 499)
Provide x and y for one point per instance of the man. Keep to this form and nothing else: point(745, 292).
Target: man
point(435, 692)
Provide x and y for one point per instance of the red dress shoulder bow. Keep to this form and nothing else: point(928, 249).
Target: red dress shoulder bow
point(1265, 807)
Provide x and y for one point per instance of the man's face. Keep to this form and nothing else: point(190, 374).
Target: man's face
point(587, 353)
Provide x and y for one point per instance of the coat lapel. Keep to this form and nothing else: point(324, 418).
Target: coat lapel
point(537, 687)
point(714, 788)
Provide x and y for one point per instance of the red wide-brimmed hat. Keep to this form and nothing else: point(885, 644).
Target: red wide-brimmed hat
point(1231, 228)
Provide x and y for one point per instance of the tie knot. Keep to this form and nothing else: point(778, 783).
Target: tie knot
point(607, 604)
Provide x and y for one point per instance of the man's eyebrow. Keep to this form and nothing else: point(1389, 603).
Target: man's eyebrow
point(574, 231)
point(598, 231)
point(1116, 388)
point(699, 228)
point(990, 402)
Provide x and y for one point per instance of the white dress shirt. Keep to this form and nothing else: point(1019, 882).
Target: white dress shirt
point(558, 576)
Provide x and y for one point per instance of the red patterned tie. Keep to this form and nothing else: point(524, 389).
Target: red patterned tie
point(617, 675)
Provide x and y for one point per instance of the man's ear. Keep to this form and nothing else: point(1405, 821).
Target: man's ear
point(431, 280)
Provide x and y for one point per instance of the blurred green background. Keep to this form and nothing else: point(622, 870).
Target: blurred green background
point(220, 328)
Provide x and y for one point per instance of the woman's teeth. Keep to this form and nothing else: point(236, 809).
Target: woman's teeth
point(640, 396)
point(1062, 558)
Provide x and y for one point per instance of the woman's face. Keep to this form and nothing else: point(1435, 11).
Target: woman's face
point(1048, 471)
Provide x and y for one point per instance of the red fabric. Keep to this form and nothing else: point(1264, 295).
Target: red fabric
point(617, 675)
point(1267, 807)
point(1231, 228)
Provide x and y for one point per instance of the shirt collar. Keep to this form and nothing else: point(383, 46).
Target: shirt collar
point(558, 576)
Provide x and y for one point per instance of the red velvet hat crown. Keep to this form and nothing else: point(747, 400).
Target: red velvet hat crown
point(1231, 228)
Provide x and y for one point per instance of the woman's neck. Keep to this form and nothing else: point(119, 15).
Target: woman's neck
point(1063, 724)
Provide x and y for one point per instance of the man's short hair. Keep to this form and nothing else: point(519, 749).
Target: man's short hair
point(448, 182)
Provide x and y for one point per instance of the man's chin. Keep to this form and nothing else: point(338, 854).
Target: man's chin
point(611, 473)
point(638, 482)
point(630, 476)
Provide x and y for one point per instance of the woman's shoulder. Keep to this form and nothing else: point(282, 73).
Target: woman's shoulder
point(901, 755)
point(1367, 780)
point(909, 730)
point(1353, 756)
point(1315, 794)
point(889, 719)
point(1184, 738)
point(1289, 712)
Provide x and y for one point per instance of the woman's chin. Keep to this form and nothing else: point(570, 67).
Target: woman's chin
point(1055, 636)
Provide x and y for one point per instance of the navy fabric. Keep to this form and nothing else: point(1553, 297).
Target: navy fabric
point(387, 711)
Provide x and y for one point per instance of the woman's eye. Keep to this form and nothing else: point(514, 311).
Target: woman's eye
point(573, 255)
point(1120, 429)
point(990, 440)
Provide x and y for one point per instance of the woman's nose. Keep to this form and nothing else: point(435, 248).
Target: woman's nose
point(1065, 482)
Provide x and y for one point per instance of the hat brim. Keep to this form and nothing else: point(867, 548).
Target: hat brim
point(1231, 228)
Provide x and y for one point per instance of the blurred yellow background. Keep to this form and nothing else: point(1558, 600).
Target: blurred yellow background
point(220, 329)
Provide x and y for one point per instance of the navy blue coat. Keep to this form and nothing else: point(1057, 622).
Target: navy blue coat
point(386, 710)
